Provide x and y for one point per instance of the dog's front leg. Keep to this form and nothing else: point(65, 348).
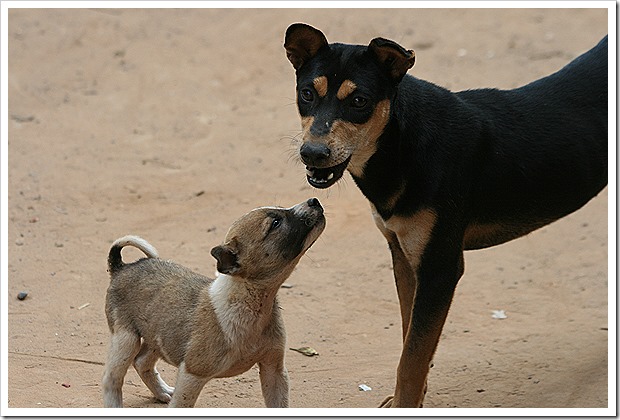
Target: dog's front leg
point(435, 255)
point(274, 380)
point(406, 283)
point(404, 275)
point(187, 388)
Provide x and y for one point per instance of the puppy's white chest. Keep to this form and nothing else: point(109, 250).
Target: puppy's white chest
point(236, 318)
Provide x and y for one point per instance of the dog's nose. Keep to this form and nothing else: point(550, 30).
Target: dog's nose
point(314, 202)
point(314, 154)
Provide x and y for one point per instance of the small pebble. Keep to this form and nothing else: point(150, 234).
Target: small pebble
point(22, 295)
point(66, 385)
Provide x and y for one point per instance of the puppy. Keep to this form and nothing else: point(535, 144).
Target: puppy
point(446, 172)
point(207, 328)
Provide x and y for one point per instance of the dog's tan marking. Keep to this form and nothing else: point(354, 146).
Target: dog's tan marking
point(348, 139)
point(359, 140)
point(346, 88)
point(320, 85)
point(306, 123)
point(413, 233)
point(484, 235)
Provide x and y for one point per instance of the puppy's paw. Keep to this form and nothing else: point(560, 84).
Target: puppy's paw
point(165, 395)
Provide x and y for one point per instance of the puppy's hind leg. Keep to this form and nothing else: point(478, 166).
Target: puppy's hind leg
point(144, 363)
point(124, 345)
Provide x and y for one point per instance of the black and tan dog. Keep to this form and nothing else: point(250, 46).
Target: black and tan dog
point(208, 328)
point(446, 172)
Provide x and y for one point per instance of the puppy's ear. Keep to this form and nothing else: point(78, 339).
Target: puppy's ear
point(226, 256)
point(394, 58)
point(302, 42)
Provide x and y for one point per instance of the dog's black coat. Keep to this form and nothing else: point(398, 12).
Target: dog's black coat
point(530, 155)
point(490, 165)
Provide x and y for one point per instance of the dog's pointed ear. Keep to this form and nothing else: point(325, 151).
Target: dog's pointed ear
point(394, 58)
point(226, 256)
point(302, 42)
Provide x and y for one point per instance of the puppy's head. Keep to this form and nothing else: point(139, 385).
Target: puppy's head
point(344, 95)
point(267, 242)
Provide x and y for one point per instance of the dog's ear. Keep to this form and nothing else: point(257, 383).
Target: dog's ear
point(226, 256)
point(394, 58)
point(302, 42)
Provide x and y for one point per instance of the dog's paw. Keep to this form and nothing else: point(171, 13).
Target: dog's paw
point(387, 402)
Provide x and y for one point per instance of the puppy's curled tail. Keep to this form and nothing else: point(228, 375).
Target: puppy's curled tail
point(115, 260)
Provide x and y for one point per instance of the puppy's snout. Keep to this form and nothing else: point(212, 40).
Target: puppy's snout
point(309, 211)
point(314, 154)
point(314, 202)
point(313, 209)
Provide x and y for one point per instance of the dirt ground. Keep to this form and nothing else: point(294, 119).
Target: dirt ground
point(170, 124)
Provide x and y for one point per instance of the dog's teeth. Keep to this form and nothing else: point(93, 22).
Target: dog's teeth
point(331, 175)
point(309, 172)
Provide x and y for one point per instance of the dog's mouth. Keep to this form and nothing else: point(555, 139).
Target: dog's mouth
point(326, 177)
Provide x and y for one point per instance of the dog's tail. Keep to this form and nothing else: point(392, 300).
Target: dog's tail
point(115, 260)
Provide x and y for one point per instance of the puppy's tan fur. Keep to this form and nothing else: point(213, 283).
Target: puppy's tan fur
point(208, 328)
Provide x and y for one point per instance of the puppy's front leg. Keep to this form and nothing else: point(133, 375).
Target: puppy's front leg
point(274, 380)
point(187, 388)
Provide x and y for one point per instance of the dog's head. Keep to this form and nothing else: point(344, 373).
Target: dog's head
point(344, 95)
point(267, 242)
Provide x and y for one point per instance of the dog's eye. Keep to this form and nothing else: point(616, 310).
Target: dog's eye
point(359, 102)
point(306, 95)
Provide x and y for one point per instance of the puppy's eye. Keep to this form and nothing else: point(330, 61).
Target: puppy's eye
point(359, 102)
point(306, 95)
point(275, 224)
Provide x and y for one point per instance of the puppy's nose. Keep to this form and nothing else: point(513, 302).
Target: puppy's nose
point(314, 202)
point(314, 154)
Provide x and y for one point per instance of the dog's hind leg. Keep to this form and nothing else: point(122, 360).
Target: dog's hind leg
point(144, 363)
point(124, 345)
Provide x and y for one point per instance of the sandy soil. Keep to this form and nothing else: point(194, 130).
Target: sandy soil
point(170, 124)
